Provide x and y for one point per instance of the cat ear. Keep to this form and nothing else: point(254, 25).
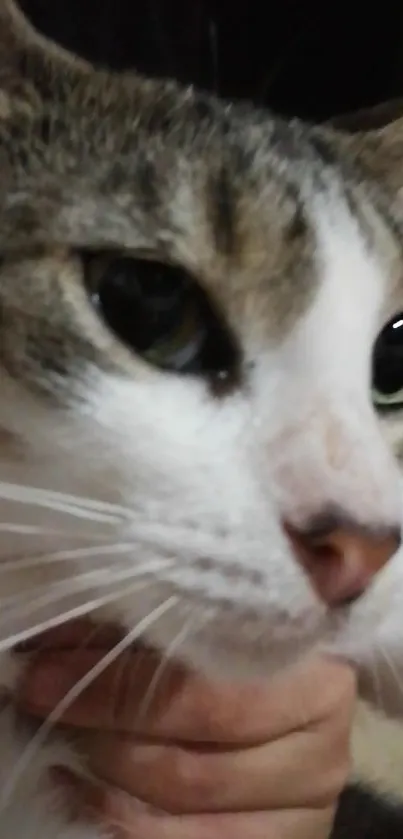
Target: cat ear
point(373, 137)
point(369, 119)
point(43, 136)
point(30, 63)
point(381, 152)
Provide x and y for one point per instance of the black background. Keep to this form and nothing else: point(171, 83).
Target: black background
point(307, 58)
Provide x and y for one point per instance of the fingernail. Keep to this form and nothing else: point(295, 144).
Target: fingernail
point(44, 685)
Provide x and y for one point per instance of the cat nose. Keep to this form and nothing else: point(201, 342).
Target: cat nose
point(340, 557)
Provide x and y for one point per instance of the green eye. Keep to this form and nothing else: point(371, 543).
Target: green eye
point(160, 313)
point(387, 377)
point(179, 346)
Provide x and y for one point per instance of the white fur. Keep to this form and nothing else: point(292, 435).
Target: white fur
point(199, 487)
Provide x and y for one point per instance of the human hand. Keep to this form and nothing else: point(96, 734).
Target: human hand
point(263, 760)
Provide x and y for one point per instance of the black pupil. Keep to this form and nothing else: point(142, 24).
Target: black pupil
point(142, 301)
point(388, 358)
point(145, 303)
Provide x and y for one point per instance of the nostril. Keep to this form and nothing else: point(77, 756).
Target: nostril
point(342, 558)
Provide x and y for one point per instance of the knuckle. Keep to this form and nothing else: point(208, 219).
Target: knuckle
point(333, 764)
point(335, 784)
point(190, 781)
point(336, 711)
point(348, 689)
point(205, 714)
point(332, 783)
point(322, 824)
point(220, 718)
point(342, 691)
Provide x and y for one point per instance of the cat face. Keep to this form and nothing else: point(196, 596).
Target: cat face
point(191, 299)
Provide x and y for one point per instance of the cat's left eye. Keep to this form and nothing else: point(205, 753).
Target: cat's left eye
point(387, 373)
point(161, 314)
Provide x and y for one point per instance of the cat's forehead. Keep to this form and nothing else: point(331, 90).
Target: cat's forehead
point(249, 242)
point(266, 251)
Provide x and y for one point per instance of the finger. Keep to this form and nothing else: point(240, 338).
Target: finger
point(291, 824)
point(183, 706)
point(126, 818)
point(305, 769)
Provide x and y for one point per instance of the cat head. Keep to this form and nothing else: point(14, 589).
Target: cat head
point(201, 366)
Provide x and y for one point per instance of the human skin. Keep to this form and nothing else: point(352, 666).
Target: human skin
point(265, 760)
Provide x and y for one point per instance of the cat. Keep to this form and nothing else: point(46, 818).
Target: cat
point(201, 372)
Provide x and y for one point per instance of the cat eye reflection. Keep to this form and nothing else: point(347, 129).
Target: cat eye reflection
point(387, 377)
point(158, 311)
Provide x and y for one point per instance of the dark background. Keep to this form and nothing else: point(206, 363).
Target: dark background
point(311, 59)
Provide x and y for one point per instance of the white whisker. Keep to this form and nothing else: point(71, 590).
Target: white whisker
point(165, 539)
point(79, 583)
point(33, 530)
point(147, 528)
point(111, 549)
point(72, 505)
point(40, 531)
point(83, 609)
point(73, 694)
point(188, 627)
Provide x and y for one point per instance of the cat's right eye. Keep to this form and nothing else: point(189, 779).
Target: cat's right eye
point(162, 314)
point(387, 375)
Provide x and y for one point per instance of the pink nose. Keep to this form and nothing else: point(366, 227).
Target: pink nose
point(340, 557)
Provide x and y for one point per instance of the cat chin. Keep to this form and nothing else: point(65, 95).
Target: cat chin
point(221, 663)
point(227, 650)
point(380, 682)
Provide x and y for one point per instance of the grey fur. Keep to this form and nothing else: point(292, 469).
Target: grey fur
point(90, 159)
point(94, 160)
